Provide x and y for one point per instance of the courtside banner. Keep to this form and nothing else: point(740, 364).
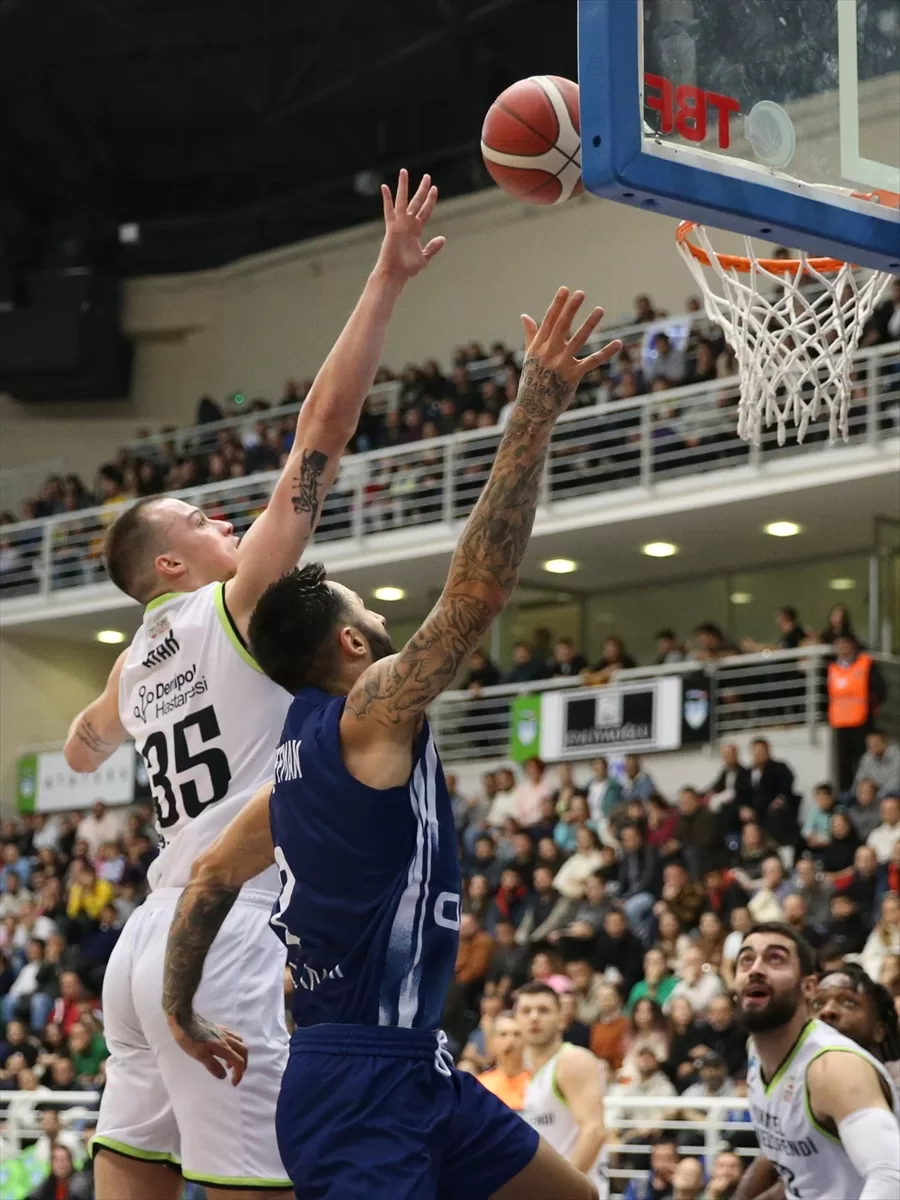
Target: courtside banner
point(46, 782)
point(629, 718)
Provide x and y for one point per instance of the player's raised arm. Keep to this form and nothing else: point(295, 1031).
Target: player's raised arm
point(330, 413)
point(97, 731)
point(846, 1092)
point(391, 696)
point(243, 849)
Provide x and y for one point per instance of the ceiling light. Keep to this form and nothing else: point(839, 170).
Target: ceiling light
point(842, 585)
point(741, 598)
point(110, 637)
point(659, 549)
point(389, 594)
point(560, 566)
point(782, 529)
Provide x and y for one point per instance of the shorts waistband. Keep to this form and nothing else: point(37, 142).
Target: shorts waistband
point(168, 897)
point(389, 1040)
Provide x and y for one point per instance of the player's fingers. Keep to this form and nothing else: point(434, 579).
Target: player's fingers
point(427, 206)
point(436, 244)
point(530, 329)
point(237, 1044)
point(212, 1064)
point(402, 199)
point(560, 332)
point(388, 203)
point(419, 196)
point(602, 356)
point(227, 1056)
point(551, 315)
point(583, 333)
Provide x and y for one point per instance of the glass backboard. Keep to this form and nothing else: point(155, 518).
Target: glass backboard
point(750, 115)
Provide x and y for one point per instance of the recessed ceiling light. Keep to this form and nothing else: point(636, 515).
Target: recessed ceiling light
point(389, 594)
point(741, 598)
point(659, 549)
point(782, 529)
point(110, 637)
point(560, 566)
point(842, 585)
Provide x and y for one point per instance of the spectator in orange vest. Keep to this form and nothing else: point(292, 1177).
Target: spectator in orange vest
point(856, 691)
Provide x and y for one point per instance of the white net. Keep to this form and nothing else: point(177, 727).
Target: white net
point(794, 333)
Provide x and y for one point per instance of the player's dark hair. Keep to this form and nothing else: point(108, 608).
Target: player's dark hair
point(888, 1049)
point(536, 988)
point(290, 631)
point(805, 952)
point(132, 543)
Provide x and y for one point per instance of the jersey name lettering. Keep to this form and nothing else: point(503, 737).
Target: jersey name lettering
point(287, 761)
point(165, 650)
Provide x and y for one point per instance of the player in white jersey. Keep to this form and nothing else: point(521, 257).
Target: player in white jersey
point(206, 721)
point(564, 1097)
point(825, 1110)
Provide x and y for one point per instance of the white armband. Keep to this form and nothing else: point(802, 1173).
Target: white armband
point(871, 1137)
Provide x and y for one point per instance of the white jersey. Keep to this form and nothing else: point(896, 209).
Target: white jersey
point(810, 1160)
point(547, 1112)
point(205, 720)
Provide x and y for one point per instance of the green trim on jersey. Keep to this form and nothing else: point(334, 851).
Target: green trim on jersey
point(236, 1181)
point(231, 632)
point(163, 599)
point(554, 1086)
point(99, 1141)
point(810, 1116)
point(794, 1051)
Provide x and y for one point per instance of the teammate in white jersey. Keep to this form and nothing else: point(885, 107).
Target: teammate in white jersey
point(564, 1098)
point(825, 1111)
point(206, 721)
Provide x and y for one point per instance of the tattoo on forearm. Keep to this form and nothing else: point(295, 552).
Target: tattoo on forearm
point(88, 736)
point(199, 915)
point(306, 497)
point(485, 567)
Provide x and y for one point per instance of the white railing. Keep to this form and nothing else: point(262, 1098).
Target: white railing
point(599, 450)
point(726, 1124)
point(747, 692)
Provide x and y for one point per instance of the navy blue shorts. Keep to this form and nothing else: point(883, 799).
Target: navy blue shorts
point(365, 1114)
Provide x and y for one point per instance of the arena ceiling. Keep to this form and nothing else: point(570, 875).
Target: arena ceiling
point(225, 127)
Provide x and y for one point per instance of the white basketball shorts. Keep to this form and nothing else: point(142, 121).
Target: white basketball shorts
point(159, 1105)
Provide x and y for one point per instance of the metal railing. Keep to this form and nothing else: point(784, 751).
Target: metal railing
point(747, 692)
point(599, 450)
point(726, 1125)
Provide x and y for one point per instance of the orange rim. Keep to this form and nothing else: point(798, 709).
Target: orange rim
point(777, 266)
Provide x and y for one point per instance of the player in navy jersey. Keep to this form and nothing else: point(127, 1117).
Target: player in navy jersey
point(359, 823)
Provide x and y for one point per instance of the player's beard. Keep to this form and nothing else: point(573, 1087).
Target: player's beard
point(379, 642)
point(777, 1013)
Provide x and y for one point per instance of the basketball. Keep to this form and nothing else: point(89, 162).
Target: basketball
point(531, 140)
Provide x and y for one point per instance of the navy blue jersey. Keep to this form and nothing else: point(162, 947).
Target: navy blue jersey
point(369, 906)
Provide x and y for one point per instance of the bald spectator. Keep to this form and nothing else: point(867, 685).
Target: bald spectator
point(885, 836)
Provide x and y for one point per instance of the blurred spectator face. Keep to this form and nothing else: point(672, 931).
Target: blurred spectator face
point(654, 966)
point(646, 1063)
point(505, 933)
point(866, 793)
point(540, 1018)
point(691, 964)
point(594, 889)
point(547, 850)
point(759, 753)
point(579, 810)
point(669, 925)
point(600, 767)
point(713, 1074)
point(876, 743)
point(614, 925)
point(632, 764)
point(840, 825)
point(468, 927)
point(99, 810)
point(60, 1163)
point(581, 975)
point(506, 1040)
point(865, 861)
point(491, 1006)
point(543, 880)
point(772, 872)
point(521, 653)
point(608, 1000)
point(727, 1170)
point(841, 907)
point(484, 849)
point(890, 810)
point(643, 310)
point(613, 652)
point(585, 840)
point(50, 1123)
point(510, 879)
point(534, 769)
point(63, 1072)
point(78, 1038)
point(15, 1033)
point(489, 784)
point(506, 781)
point(631, 839)
point(824, 799)
point(688, 801)
point(34, 951)
point(806, 872)
point(564, 651)
point(710, 925)
point(751, 837)
point(26, 1080)
point(664, 1161)
point(794, 909)
point(541, 967)
point(720, 1013)
point(548, 810)
point(567, 1009)
point(681, 1012)
point(70, 985)
point(729, 755)
point(675, 876)
point(890, 910)
point(634, 812)
point(522, 847)
point(644, 1015)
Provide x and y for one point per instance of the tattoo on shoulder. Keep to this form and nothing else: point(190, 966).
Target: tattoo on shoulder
point(306, 496)
point(88, 736)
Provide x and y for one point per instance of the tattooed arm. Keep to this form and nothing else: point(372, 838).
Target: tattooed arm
point(387, 703)
point(242, 850)
point(97, 731)
point(331, 411)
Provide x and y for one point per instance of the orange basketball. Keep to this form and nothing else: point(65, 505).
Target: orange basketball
point(531, 140)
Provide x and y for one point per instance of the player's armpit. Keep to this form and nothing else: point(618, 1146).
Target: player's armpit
point(97, 731)
point(581, 1079)
point(242, 850)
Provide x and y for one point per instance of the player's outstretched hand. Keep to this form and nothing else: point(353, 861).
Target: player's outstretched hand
point(217, 1048)
point(552, 347)
point(402, 253)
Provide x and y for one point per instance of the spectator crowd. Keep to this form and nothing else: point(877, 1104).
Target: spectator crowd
point(477, 394)
point(630, 905)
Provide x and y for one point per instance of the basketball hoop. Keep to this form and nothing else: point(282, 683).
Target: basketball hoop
point(794, 325)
